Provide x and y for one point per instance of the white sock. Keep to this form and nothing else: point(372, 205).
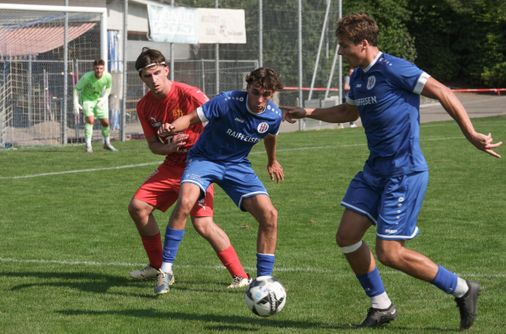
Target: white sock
point(461, 288)
point(381, 301)
point(166, 267)
point(88, 141)
point(107, 140)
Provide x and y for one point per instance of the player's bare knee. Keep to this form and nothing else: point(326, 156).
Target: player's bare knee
point(387, 258)
point(344, 240)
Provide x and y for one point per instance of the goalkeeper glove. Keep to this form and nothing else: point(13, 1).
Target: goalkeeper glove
point(101, 102)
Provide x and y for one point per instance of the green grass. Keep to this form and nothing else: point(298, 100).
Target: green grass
point(67, 242)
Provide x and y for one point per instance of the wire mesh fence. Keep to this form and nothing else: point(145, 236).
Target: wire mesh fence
point(36, 109)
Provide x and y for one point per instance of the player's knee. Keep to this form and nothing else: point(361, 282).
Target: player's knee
point(343, 240)
point(387, 258)
point(134, 209)
point(350, 248)
point(270, 218)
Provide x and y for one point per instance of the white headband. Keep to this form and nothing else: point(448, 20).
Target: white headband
point(152, 64)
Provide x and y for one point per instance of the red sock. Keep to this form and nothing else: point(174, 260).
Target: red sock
point(231, 261)
point(153, 246)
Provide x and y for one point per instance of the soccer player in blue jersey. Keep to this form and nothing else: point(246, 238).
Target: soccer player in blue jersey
point(389, 191)
point(236, 121)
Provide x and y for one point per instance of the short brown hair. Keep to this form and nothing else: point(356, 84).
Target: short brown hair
point(265, 77)
point(357, 27)
point(98, 62)
point(149, 57)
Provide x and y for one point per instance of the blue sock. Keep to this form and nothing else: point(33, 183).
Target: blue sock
point(445, 280)
point(372, 283)
point(265, 264)
point(171, 245)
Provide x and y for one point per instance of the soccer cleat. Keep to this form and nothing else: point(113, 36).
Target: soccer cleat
point(163, 282)
point(467, 305)
point(145, 273)
point(109, 147)
point(379, 317)
point(88, 148)
point(239, 282)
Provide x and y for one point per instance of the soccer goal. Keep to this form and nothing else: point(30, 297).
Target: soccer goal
point(43, 51)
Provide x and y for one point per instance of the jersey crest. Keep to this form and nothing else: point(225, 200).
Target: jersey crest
point(262, 127)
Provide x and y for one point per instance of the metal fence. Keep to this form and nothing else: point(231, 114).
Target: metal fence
point(36, 107)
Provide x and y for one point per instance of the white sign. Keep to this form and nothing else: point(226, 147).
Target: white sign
point(173, 24)
point(193, 26)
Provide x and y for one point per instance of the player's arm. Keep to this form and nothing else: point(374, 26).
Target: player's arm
point(77, 105)
point(180, 124)
point(274, 168)
point(341, 113)
point(174, 144)
point(436, 90)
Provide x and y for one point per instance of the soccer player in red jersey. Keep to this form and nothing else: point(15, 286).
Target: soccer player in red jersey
point(166, 101)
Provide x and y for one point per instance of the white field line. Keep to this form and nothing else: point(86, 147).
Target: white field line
point(277, 268)
point(92, 170)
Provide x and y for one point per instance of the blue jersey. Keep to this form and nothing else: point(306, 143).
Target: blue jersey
point(387, 95)
point(233, 129)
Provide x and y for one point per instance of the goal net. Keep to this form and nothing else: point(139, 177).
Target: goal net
point(35, 105)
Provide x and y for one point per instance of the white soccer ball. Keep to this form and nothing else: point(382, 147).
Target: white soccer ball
point(265, 296)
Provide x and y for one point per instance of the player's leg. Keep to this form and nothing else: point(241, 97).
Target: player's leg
point(361, 202)
point(224, 249)
point(101, 113)
point(397, 224)
point(141, 213)
point(244, 187)
point(349, 238)
point(89, 120)
point(159, 191)
point(189, 194)
point(261, 207)
point(202, 218)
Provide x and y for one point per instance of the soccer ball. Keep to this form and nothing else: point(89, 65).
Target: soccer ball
point(265, 296)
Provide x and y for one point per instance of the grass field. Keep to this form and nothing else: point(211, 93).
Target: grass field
point(67, 242)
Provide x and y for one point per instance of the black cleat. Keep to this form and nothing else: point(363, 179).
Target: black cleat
point(467, 305)
point(379, 317)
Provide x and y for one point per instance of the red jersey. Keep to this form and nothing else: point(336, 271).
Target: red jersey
point(181, 100)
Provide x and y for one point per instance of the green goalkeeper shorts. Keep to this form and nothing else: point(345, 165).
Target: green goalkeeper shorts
point(92, 108)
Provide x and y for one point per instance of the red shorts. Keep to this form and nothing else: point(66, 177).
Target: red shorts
point(161, 190)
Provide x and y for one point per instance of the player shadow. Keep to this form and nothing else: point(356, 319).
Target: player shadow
point(223, 323)
point(215, 322)
point(82, 281)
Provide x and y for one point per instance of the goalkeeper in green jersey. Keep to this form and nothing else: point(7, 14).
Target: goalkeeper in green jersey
point(93, 90)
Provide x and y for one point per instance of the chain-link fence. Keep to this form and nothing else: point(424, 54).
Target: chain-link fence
point(33, 106)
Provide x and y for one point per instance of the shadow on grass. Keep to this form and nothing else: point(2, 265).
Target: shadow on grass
point(83, 281)
point(215, 322)
point(223, 323)
point(102, 283)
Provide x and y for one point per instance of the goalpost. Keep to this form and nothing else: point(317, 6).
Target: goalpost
point(43, 52)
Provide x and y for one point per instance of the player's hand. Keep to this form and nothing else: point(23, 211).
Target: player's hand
point(485, 143)
point(101, 102)
point(275, 171)
point(291, 114)
point(177, 143)
point(165, 130)
point(77, 108)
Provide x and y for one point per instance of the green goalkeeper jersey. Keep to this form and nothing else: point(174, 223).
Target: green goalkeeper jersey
point(91, 88)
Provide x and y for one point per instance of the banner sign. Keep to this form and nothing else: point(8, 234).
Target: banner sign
point(196, 25)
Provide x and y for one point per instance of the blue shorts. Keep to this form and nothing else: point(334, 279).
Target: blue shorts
point(391, 203)
point(238, 180)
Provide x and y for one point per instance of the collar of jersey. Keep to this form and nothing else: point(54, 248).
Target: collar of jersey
point(251, 112)
point(374, 61)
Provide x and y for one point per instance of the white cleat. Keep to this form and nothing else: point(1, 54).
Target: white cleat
point(239, 282)
point(146, 273)
point(109, 147)
point(163, 283)
point(88, 148)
